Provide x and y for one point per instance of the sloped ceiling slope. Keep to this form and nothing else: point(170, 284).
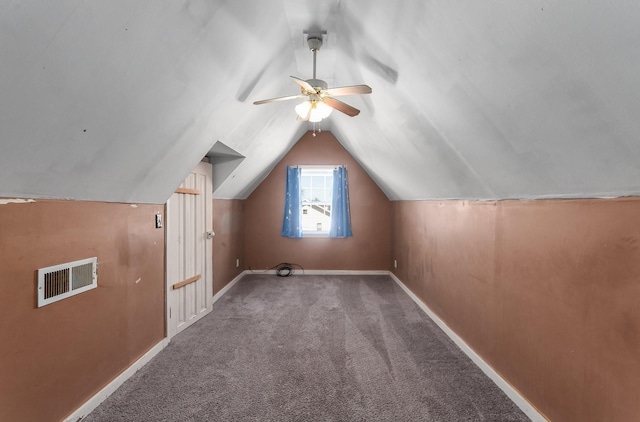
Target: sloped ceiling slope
point(118, 100)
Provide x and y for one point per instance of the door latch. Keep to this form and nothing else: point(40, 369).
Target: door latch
point(210, 235)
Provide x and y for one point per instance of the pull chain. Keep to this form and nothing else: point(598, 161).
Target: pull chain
point(316, 129)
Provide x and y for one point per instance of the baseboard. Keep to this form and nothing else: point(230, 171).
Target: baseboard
point(299, 271)
point(345, 272)
point(503, 384)
point(102, 395)
point(229, 285)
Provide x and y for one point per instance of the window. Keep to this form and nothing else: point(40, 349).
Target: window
point(316, 185)
point(316, 202)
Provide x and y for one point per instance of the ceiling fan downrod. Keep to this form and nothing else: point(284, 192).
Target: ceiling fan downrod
point(314, 42)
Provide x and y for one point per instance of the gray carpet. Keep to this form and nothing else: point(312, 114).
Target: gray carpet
point(310, 348)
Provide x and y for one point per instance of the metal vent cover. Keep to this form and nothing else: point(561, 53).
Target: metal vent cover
point(65, 280)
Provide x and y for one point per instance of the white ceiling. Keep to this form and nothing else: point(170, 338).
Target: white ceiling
point(117, 100)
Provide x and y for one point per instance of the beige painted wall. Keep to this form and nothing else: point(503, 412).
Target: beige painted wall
point(228, 243)
point(368, 249)
point(54, 358)
point(547, 292)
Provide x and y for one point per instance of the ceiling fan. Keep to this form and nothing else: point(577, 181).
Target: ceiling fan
point(319, 99)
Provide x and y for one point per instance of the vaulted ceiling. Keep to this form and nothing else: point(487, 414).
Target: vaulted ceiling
point(118, 100)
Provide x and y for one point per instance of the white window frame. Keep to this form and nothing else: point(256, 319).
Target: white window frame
point(320, 170)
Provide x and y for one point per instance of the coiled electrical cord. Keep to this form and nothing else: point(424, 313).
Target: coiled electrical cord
point(284, 269)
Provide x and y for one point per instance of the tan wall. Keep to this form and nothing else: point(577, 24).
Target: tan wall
point(54, 358)
point(228, 243)
point(547, 292)
point(368, 249)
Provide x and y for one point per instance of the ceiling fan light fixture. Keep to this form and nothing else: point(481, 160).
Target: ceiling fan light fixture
point(323, 109)
point(303, 108)
point(314, 111)
point(315, 115)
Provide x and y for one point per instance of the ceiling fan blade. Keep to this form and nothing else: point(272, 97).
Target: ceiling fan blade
point(274, 100)
point(340, 106)
point(304, 85)
point(349, 90)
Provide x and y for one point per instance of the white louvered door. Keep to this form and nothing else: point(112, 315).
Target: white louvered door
point(189, 244)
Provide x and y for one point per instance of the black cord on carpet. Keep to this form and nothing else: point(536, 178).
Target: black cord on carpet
point(284, 269)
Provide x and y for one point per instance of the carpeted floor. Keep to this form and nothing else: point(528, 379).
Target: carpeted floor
point(310, 348)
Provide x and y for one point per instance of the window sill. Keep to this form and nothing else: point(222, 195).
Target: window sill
point(315, 234)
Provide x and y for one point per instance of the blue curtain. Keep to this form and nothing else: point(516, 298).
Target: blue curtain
point(292, 221)
point(340, 219)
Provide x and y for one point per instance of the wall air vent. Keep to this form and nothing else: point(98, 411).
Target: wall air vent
point(65, 280)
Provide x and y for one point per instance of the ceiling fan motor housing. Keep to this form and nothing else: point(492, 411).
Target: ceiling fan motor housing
point(318, 84)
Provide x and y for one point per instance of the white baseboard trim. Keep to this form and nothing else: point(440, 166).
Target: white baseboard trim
point(345, 272)
point(102, 395)
point(299, 271)
point(229, 285)
point(503, 384)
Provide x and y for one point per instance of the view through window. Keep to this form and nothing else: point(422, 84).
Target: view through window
point(316, 185)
